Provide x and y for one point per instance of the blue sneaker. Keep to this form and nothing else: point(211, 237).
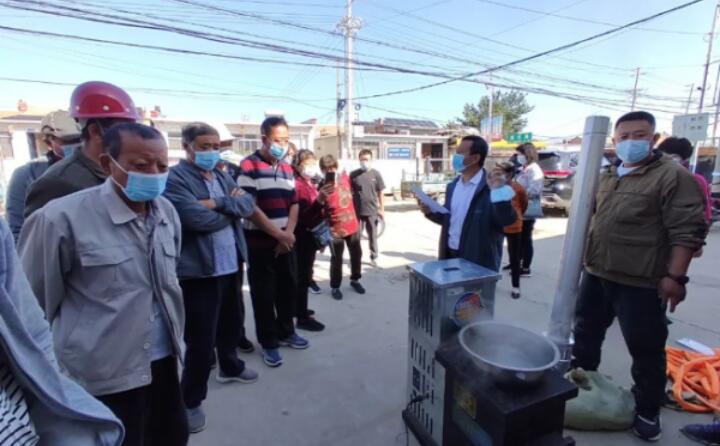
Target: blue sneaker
point(295, 341)
point(271, 357)
point(708, 434)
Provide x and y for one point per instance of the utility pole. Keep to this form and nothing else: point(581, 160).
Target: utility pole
point(716, 95)
point(637, 77)
point(687, 107)
point(489, 136)
point(349, 27)
point(338, 111)
point(711, 36)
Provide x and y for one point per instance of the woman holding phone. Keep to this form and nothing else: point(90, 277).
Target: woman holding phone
point(311, 203)
point(344, 226)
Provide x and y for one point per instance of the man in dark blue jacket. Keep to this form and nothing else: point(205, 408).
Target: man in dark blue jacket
point(211, 208)
point(478, 205)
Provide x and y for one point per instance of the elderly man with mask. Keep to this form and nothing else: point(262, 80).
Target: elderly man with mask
point(61, 135)
point(211, 208)
point(102, 264)
point(648, 223)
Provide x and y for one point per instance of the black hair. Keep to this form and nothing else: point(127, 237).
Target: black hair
point(637, 116)
point(365, 152)
point(105, 123)
point(677, 146)
point(300, 157)
point(195, 129)
point(479, 147)
point(327, 162)
point(270, 123)
point(112, 140)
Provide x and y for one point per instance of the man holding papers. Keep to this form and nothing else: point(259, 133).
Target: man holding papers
point(478, 206)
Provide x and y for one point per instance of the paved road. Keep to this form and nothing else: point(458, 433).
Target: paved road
point(348, 389)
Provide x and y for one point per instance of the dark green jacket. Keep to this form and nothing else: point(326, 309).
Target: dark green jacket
point(63, 178)
point(639, 218)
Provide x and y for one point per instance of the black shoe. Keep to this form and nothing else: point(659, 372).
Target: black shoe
point(310, 312)
point(708, 434)
point(314, 288)
point(357, 287)
point(245, 346)
point(507, 267)
point(525, 272)
point(309, 324)
point(515, 293)
point(648, 429)
point(336, 294)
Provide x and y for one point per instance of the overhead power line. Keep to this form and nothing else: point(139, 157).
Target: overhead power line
point(584, 20)
point(536, 56)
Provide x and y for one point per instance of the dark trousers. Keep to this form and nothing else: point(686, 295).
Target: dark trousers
point(273, 290)
point(211, 320)
point(369, 225)
point(153, 415)
point(514, 242)
point(241, 303)
point(305, 250)
point(336, 259)
point(642, 321)
point(527, 243)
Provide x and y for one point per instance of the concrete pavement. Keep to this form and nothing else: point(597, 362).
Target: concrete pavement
point(348, 388)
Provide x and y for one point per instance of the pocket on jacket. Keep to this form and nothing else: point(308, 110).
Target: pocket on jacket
point(631, 257)
point(112, 269)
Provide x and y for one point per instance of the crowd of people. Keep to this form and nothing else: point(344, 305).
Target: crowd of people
point(138, 266)
point(126, 287)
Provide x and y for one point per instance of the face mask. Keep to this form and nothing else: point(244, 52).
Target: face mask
point(521, 159)
point(69, 149)
point(277, 151)
point(633, 150)
point(458, 163)
point(311, 171)
point(207, 160)
point(142, 187)
point(365, 165)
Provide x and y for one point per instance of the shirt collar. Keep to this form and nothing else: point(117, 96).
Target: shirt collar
point(119, 211)
point(476, 179)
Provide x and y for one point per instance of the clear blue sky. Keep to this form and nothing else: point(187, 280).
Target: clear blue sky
point(670, 53)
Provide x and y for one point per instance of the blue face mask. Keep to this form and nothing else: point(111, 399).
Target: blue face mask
point(277, 151)
point(458, 163)
point(633, 151)
point(142, 187)
point(365, 165)
point(207, 160)
point(69, 149)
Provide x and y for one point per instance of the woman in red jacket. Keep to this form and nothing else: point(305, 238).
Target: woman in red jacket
point(311, 203)
point(344, 226)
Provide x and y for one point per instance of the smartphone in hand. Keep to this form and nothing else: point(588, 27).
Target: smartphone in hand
point(329, 177)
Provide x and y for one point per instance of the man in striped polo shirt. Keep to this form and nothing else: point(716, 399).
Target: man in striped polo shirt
point(271, 271)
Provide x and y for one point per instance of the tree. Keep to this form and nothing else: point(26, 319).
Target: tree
point(512, 105)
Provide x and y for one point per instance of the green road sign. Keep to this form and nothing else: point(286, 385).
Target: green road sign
point(520, 137)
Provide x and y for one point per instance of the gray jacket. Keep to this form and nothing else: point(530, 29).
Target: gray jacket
point(18, 187)
point(185, 188)
point(96, 272)
point(62, 412)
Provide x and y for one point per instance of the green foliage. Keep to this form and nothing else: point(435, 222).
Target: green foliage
point(512, 105)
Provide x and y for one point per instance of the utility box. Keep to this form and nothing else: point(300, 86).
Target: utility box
point(445, 296)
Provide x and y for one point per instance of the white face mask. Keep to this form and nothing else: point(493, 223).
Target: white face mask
point(310, 170)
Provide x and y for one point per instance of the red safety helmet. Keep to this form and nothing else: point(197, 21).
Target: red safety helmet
point(100, 100)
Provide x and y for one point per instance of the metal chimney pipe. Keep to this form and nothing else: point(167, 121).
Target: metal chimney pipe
point(581, 211)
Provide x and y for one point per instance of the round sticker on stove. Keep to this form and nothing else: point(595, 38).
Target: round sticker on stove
point(467, 309)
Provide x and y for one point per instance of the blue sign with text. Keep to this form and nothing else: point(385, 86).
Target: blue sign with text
point(399, 153)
